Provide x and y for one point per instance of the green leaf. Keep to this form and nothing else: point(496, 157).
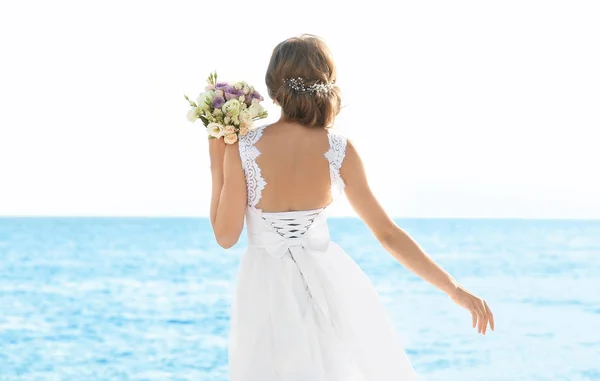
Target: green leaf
point(204, 120)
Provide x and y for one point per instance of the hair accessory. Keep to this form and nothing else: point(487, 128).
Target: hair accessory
point(298, 84)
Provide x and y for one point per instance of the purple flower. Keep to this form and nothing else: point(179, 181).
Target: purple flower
point(255, 95)
point(221, 85)
point(231, 92)
point(218, 102)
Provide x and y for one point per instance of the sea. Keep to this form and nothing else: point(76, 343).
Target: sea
point(148, 298)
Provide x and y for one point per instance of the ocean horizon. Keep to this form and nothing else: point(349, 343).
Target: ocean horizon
point(147, 298)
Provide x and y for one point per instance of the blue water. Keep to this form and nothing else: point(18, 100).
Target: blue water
point(148, 299)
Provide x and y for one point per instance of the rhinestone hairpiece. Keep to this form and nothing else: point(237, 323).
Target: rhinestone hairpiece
point(298, 84)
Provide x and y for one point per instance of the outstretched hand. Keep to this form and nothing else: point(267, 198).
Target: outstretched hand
point(480, 312)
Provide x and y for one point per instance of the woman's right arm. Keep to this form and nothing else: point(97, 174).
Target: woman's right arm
point(400, 245)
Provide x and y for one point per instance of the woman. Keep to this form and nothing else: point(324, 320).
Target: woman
point(303, 310)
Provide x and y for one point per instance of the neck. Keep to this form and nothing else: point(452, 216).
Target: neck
point(283, 118)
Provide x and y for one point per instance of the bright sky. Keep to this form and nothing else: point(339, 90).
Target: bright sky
point(459, 109)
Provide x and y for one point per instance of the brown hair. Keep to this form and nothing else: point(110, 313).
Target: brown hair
point(309, 58)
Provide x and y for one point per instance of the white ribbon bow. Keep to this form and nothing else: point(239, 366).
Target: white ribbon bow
point(304, 251)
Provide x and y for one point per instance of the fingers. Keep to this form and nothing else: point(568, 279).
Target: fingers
point(480, 315)
point(491, 316)
point(474, 316)
point(484, 317)
point(479, 312)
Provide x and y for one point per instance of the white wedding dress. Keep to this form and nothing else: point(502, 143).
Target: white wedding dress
point(303, 310)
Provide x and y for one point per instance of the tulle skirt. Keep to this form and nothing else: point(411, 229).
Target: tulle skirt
point(311, 317)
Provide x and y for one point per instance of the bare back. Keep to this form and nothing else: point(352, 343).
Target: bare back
point(289, 167)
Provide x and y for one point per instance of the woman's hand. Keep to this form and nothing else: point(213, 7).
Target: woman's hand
point(481, 313)
point(216, 149)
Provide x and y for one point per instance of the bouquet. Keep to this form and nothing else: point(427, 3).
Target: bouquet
point(227, 110)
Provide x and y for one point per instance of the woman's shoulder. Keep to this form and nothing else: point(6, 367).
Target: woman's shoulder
point(337, 139)
point(337, 134)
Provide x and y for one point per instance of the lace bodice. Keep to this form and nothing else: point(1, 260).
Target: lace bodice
point(335, 155)
point(248, 153)
point(255, 183)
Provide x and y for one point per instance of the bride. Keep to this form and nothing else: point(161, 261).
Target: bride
point(303, 310)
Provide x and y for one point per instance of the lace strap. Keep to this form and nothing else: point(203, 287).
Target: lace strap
point(335, 155)
point(248, 154)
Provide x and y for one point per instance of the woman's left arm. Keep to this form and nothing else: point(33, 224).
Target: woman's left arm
point(228, 201)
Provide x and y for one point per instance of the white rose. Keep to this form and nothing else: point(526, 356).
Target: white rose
point(246, 117)
point(228, 130)
point(215, 130)
point(256, 109)
point(204, 100)
point(231, 107)
point(202, 107)
point(205, 97)
point(192, 115)
point(231, 138)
